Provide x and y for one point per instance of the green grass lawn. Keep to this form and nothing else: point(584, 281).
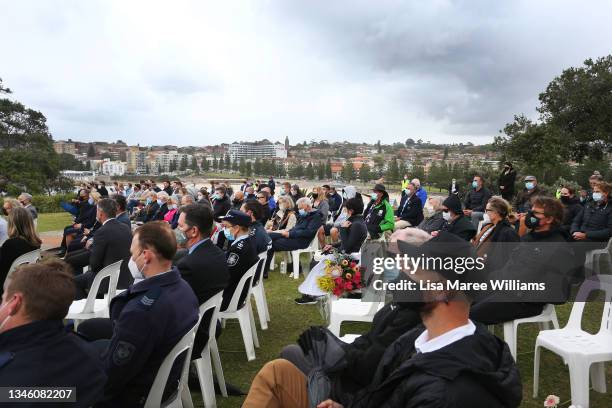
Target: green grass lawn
point(53, 221)
point(288, 320)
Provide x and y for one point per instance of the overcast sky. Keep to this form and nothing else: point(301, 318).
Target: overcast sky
point(200, 72)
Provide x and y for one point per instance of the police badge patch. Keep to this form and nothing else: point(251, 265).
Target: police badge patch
point(232, 259)
point(123, 353)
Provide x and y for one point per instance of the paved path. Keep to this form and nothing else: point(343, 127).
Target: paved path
point(51, 239)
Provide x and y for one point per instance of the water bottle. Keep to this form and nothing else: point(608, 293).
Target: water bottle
point(283, 267)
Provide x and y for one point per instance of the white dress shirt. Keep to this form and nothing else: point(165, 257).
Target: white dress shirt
point(423, 345)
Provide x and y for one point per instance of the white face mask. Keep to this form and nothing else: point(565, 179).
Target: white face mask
point(446, 215)
point(486, 219)
point(135, 271)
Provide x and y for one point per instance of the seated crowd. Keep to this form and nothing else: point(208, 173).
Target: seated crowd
point(181, 246)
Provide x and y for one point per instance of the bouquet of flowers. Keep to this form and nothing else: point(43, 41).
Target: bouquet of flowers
point(342, 276)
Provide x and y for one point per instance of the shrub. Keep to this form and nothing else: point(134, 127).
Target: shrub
point(48, 204)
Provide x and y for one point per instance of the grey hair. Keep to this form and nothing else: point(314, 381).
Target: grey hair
point(163, 194)
point(304, 200)
point(27, 196)
point(108, 206)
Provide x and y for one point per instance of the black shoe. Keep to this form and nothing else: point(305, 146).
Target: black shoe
point(194, 384)
point(306, 300)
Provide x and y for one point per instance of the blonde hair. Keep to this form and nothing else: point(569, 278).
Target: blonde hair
point(286, 200)
point(96, 196)
point(13, 203)
point(21, 225)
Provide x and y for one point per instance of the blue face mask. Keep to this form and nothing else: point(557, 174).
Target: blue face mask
point(159, 202)
point(90, 201)
point(374, 196)
point(302, 212)
point(148, 201)
point(474, 184)
point(228, 234)
point(529, 185)
point(597, 197)
point(407, 191)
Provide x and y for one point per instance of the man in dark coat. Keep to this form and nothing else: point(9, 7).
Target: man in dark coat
point(476, 200)
point(409, 213)
point(35, 349)
point(221, 203)
point(594, 223)
point(102, 189)
point(571, 207)
point(257, 232)
point(522, 203)
point(111, 243)
point(204, 267)
point(506, 181)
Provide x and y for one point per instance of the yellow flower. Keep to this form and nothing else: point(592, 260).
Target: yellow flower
point(325, 283)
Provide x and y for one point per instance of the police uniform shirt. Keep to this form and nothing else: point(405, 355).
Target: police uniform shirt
point(149, 318)
point(241, 255)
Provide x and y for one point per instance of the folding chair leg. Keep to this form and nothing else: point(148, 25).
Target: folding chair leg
point(247, 333)
point(204, 369)
point(186, 400)
point(510, 337)
point(295, 255)
point(265, 302)
point(261, 306)
point(216, 360)
point(579, 383)
point(598, 377)
point(536, 370)
point(252, 323)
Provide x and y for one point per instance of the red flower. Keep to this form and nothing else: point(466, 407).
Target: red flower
point(348, 286)
point(353, 264)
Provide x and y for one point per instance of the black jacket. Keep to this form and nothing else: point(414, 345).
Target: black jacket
point(352, 238)
point(410, 209)
point(498, 245)
point(434, 223)
point(150, 211)
point(477, 200)
point(161, 212)
point(335, 201)
point(111, 244)
point(258, 234)
point(570, 212)
point(42, 354)
point(87, 215)
point(507, 180)
point(364, 354)
point(522, 202)
point(12, 249)
point(103, 191)
point(221, 206)
point(205, 270)
point(596, 221)
point(462, 227)
point(241, 256)
point(306, 227)
point(476, 371)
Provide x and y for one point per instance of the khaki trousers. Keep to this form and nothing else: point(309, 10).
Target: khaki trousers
point(279, 384)
point(401, 224)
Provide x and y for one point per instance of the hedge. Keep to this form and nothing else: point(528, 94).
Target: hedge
point(47, 203)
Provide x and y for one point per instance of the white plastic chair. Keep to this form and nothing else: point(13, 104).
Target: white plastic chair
point(244, 313)
point(210, 353)
point(353, 310)
point(349, 338)
point(592, 264)
point(91, 307)
point(583, 352)
point(182, 397)
point(259, 294)
point(27, 258)
point(548, 315)
point(295, 255)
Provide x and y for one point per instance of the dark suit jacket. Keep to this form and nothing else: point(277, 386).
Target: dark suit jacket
point(111, 244)
point(205, 270)
point(412, 211)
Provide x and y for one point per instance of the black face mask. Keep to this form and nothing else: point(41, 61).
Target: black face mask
point(315, 195)
point(565, 199)
point(531, 221)
point(4, 211)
